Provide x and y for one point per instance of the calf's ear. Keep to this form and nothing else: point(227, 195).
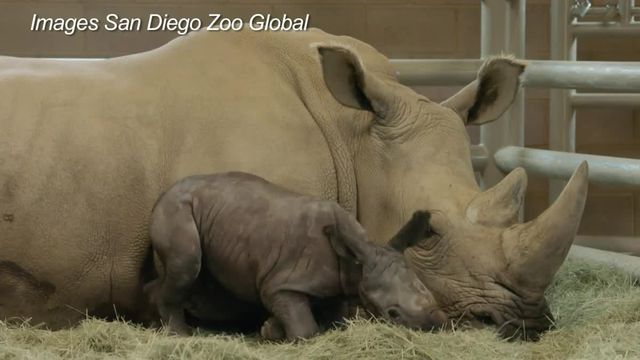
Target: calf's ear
point(413, 231)
point(349, 240)
point(490, 95)
point(349, 82)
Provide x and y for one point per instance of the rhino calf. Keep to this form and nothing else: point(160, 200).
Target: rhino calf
point(278, 250)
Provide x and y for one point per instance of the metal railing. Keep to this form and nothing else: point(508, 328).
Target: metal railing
point(501, 147)
point(568, 24)
point(583, 75)
point(613, 19)
point(605, 170)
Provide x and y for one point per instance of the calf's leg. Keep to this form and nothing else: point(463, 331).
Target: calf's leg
point(293, 311)
point(328, 313)
point(272, 330)
point(174, 236)
point(332, 312)
point(211, 305)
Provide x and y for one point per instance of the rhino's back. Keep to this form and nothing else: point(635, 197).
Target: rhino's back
point(65, 170)
point(259, 237)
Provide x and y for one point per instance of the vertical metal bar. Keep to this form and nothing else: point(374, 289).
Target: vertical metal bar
point(493, 40)
point(517, 26)
point(561, 113)
point(624, 8)
point(517, 31)
point(502, 31)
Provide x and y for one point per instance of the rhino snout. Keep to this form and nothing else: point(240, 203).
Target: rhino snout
point(427, 319)
point(434, 320)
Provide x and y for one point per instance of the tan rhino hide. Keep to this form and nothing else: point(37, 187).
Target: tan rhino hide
point(87, 147)
point(482, 265)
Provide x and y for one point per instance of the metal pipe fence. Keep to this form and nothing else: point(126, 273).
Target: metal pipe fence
point(501, 142)
point(626, 263)
point(621, 244)
point(566, 76)
point(582, 75)
point(606, 170)
point(608, 100)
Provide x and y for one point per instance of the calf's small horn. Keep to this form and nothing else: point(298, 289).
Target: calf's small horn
point(536, 249)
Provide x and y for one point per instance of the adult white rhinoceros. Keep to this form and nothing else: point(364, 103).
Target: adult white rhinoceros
point(86, 147)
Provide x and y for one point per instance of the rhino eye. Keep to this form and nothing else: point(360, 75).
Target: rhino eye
point(485, 319)
point(430, 240)
point(431, 231)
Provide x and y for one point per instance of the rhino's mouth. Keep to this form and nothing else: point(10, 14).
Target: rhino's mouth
point(515, 315)
point(523, 322)
point(368, 304)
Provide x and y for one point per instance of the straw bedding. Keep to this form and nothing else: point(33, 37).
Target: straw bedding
point(597, 312)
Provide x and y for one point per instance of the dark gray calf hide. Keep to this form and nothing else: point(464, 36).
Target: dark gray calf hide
point(265, 247)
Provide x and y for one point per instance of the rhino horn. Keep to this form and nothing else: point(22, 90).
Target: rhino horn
point(536, 249)
point(499, 206)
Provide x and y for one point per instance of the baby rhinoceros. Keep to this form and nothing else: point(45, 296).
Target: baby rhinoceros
point(282, 251)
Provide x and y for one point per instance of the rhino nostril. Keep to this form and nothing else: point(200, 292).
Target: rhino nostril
point(438, 318)
point(486, 320)
point(393, 314)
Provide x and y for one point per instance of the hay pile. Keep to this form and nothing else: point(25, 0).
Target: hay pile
point(597, 312)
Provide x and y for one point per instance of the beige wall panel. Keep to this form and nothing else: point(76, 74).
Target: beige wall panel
point(605, 126)
point(536, 122)
point(535, 201)
point(335, 19)
point(608, 214)
point(537, 31)
point(104, 43)
point(468, 30)
point(609, 48)
point(17, 39)
point(411, 32)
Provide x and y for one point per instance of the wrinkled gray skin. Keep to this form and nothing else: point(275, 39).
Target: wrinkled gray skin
point(267, 245)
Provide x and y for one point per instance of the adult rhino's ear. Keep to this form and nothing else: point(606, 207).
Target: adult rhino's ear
point(490, 95)
point(349, 82)
point(414, 230)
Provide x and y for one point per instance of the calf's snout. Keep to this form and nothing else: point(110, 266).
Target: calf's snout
point(434, 320)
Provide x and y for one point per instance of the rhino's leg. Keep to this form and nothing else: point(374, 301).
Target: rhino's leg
point(272, 330)
point(210, 301)
point(175, 238)
point(293, 311)
point(25, 297)
point(333, 312)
